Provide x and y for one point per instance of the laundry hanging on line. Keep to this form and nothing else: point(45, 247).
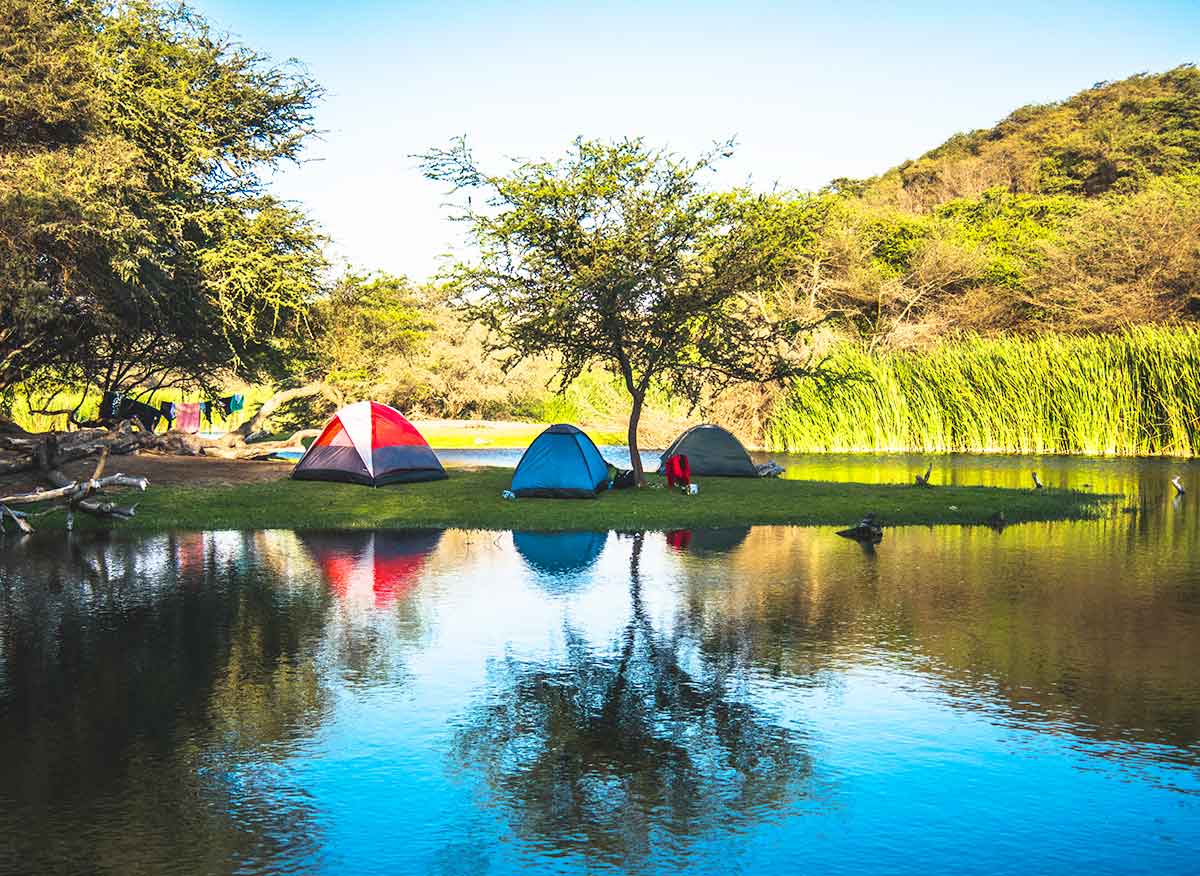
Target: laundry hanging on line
point(145, 414)
point(168, 411)
point(117, 406)
point(187, 417)
point(110, 406)
point(206, 411)
point(230, 404)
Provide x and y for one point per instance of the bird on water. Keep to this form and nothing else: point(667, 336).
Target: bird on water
point(867, 531)
point(1178, 485)
point(923, 480)
point(1037, 482)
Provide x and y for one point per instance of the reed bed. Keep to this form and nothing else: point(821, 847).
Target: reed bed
point(1130, 394)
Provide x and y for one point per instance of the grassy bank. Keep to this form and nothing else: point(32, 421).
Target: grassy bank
point(471, 499)
point(1136, 393)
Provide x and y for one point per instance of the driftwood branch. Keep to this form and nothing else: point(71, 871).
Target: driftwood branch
point(78, 495)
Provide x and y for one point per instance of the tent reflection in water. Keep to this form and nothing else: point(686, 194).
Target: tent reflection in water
point(559, 559)
point(711, 451)
point(707, 542)
point(371, 444)
point(376, 566)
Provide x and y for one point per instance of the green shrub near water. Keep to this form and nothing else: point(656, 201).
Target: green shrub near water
point(1136, 393)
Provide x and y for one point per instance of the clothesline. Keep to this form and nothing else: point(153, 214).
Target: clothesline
point(183, 416)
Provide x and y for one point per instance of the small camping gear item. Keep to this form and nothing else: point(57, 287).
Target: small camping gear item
point(624, 480)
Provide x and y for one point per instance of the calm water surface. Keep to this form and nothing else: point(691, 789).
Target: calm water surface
point(717, 701)
point(1132, 477)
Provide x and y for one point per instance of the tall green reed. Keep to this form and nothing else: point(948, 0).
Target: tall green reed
point(1136, 393)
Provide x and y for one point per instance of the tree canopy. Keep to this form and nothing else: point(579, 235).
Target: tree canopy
point(617, 254)
point(138, 245)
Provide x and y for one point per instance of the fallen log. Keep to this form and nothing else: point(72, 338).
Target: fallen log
point(70, 446)
point(75, 495)
point(17, 517)
point(28, 451)
point(73, 488)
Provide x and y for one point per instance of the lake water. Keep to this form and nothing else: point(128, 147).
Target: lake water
point(1131, 477)
point(769, 699)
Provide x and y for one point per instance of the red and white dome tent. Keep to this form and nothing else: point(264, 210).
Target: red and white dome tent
point(372, 444)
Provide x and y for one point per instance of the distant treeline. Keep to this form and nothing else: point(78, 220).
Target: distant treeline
point(1077, 216)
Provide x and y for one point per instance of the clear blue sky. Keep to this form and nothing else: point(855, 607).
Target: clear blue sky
point(812, 91)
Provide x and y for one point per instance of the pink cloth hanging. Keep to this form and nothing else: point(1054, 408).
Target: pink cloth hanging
point(187, 417)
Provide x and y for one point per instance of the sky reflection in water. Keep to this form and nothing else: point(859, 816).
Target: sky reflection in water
point(722, 701)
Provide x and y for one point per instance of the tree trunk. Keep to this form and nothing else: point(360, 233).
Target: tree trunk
point(255, 423)
point(635, 458)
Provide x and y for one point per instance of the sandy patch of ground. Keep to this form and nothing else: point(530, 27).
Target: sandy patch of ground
point(164, 470)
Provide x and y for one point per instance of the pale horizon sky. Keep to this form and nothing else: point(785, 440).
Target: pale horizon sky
point(811, 91)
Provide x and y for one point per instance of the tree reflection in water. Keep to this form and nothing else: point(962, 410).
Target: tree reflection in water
point(623, 754)
point(152, 690)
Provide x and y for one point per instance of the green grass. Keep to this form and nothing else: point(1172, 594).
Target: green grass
point(1136, 393)
point(471, 499)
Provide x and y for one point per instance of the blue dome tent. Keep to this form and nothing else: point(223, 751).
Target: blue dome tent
point(561, 463)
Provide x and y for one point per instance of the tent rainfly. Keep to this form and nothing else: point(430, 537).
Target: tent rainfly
point(561, 463)
point(711, 451)
point(372, 444)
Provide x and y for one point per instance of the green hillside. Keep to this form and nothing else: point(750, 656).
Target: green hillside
point(1113, 137)
point(1077, 216)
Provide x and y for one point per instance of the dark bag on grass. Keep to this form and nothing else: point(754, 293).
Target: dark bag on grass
point(624, 480)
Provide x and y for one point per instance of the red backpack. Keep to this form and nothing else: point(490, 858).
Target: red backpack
point(678, 470)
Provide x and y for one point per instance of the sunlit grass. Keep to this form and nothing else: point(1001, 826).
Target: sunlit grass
point(472, 498)
point(1136, 393)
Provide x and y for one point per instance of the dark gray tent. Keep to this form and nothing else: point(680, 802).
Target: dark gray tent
point(711, 451)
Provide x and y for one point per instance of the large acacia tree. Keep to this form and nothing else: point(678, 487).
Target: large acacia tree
point(618, 255)
point(138, 245)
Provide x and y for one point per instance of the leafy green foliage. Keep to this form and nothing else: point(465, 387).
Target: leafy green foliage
point(363, 324)
point(616, 255)
point(1079, 215)
point(1113, 136)
point(137, 246)
point(1013, 230)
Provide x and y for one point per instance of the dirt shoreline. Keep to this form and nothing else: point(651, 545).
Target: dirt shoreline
point(163, 470)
